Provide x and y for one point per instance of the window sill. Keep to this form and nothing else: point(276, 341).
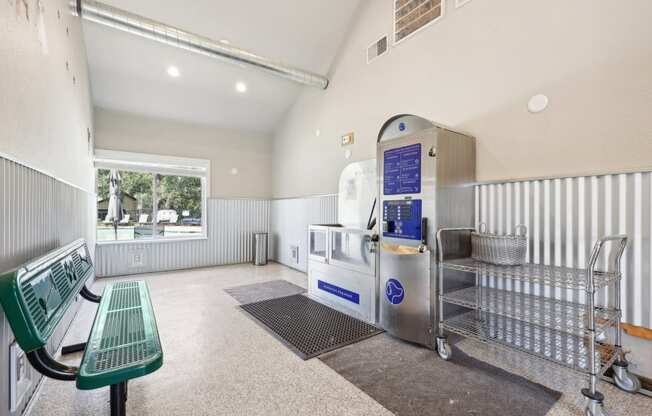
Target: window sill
point(151, 241)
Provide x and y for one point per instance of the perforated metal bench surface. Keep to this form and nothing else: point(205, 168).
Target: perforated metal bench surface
point(124, 341)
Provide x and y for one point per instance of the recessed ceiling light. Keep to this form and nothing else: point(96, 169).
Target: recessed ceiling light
point(240, 86)
point(173, 71)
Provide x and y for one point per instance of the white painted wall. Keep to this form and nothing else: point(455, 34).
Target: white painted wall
point(45, 107)
point(289, 223)
point(475, 70)
point(250, 153)
point(45, 113)
point(229, 240)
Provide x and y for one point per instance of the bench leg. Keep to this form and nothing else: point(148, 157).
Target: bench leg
point(69, 349)
point(119, 399)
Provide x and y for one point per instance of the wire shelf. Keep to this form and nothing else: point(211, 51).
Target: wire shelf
point(562, 277)
point(566, 349)
point(548, 312)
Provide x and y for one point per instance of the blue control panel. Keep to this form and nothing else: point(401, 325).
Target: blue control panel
point(402, 170)
point(402, 219)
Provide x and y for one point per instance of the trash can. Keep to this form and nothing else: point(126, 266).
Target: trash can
point(260, 249)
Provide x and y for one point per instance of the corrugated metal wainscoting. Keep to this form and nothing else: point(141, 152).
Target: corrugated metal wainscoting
point(566, 216)
point(290, 220)
point(231, 223)
point(37, 213)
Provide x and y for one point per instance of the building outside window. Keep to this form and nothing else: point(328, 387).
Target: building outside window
point(159, 197)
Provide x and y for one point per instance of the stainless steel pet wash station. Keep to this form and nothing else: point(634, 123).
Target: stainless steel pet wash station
point(425, 181)
point(427, 272)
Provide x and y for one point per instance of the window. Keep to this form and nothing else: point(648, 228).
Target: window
point(411, 16)
point(146, 197)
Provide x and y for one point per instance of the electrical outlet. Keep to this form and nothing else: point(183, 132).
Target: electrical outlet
point(137, 259)
point(295, 254)
point(20, 377)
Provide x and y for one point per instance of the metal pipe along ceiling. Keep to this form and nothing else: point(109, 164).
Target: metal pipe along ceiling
point(109, 16)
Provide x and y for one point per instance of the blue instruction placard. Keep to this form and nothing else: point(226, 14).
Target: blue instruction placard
point(402, 170)
point(338, 291)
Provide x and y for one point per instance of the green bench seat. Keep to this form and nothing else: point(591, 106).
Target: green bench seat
point(124, 342)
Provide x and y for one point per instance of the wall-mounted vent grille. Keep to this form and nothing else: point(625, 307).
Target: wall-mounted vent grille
point(413, 15)
point(377, 49)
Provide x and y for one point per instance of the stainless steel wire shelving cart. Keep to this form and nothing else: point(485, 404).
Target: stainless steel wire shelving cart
point(528, 314)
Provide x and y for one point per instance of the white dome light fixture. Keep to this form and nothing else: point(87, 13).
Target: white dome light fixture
point(538, 103)
point(173, 71)
point(241, 87)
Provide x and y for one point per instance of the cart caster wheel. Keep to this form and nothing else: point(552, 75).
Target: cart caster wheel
point(444, 349)
point(594, 406)
point(624, 379)
point(595, 409)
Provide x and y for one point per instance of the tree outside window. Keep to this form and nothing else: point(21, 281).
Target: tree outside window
point(153, 206)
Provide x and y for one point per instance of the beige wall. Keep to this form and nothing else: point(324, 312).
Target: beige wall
point(475, 70)
point(250, 153)
point(44, 115)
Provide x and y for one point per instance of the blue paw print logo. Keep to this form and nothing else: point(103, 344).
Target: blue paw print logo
point(394, 291)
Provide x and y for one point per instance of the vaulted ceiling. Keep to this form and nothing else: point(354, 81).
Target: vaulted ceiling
point(129, 73)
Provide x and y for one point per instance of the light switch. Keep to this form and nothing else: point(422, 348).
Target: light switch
point(348, 139)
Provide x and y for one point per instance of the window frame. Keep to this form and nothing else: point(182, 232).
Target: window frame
point(162, 165)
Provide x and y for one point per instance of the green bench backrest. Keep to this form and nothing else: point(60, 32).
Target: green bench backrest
point(36, 296)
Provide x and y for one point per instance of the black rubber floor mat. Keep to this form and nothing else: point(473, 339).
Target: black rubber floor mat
point(410, 380)
point(308, 327)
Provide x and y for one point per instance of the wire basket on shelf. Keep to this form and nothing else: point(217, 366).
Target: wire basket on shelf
point(504, 250)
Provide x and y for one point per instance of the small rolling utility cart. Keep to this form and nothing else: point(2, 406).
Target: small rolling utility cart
point(522, 307)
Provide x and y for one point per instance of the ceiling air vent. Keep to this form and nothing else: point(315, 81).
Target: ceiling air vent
point(377, 49)
point(410, 16)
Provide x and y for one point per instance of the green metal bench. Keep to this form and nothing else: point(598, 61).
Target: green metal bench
point(123, 343)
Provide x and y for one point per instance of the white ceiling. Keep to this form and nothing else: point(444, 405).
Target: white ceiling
point(128, 73)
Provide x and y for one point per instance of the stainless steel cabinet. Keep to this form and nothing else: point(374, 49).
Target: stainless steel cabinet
point(342, 270)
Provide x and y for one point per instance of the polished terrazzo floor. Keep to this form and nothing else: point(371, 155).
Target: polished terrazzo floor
point(219, 362)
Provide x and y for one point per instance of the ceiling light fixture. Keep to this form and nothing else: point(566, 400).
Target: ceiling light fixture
point(225, 42)
point(241, 86)
point(173, 71)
